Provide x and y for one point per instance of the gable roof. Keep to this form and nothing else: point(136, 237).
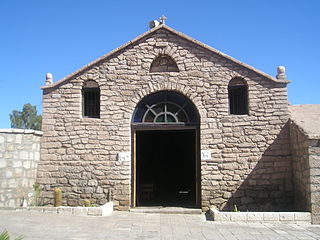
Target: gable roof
point(162, 26)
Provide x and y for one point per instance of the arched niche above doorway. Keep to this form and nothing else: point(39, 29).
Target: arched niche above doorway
point(163, 63)
point(165, 107)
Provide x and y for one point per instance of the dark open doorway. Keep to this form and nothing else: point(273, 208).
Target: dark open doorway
point(166, 168)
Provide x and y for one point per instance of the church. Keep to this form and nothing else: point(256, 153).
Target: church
point(165, 120)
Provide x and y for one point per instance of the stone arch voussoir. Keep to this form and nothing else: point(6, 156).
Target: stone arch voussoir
point(175, 87)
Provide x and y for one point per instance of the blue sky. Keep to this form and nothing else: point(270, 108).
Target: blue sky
point(60, 36)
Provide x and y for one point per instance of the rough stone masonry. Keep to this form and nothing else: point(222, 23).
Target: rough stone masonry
point(305, 150)
point(19, 157)
point(249, 162)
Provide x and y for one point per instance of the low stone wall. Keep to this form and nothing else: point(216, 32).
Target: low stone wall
point(269, 217)
point(104, 210)
point(19, 156)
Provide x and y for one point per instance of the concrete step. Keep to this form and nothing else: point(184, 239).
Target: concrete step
point(166, 210)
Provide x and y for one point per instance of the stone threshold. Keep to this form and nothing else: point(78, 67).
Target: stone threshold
point(166, 210)
point(261, 217)
point(104, 210)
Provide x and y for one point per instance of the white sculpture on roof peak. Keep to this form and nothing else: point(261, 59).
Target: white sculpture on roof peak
point(156, 23)
point(281, 72)
point(49, 79)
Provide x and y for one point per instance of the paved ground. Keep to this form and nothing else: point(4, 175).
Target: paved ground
point(126, 225)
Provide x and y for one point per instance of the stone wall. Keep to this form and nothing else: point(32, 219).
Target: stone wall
point(306, 171)
point(250, 163)
point(301, 168)
point(19, 156)
point(314, 159)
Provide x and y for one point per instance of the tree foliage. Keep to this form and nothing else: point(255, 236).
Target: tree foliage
point(28, 118)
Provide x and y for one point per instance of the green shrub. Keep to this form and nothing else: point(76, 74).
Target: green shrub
point(36, 195)
point(5, 236)
point(235, 209)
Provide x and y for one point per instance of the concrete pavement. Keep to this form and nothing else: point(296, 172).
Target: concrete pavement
point(130, 225)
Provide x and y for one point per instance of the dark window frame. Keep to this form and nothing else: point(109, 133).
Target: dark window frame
point(175, 105)
point(238, 97)
point(91, 102)
point(164, 115)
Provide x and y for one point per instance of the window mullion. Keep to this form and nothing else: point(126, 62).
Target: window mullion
point(165, 112)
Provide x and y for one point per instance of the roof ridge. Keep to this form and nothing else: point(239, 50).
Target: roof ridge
point(174, 32)
point(226, 56)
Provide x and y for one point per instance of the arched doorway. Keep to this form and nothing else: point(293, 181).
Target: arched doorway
point(165, 161)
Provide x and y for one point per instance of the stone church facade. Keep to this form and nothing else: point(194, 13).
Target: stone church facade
point(167, 120)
